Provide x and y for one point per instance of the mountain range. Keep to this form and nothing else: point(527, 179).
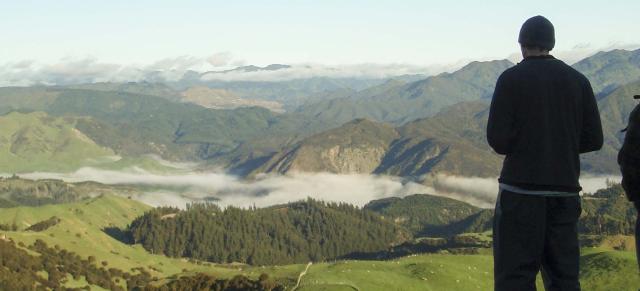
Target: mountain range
point(399, 126)
point(451, 139)
point(451, 142)
point(399, 102)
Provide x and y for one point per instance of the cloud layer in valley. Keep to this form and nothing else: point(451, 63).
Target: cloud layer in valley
point(180, 189)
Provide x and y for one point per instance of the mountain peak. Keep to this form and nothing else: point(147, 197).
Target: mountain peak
point(485, 65)
point(252, 68)
point(611, 69)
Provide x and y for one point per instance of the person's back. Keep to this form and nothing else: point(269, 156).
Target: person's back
point(547, 100)
point(543, 115)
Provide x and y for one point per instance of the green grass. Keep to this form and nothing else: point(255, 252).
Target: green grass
point(35, 141)
point(80, 231)
point(601, 269)
point(423, 272)
point(609, 270)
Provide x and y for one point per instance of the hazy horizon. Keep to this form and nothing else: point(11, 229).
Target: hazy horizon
point(75, 42)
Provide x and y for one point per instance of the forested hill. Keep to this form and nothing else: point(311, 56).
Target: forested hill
point(427, 215)
point(293, 233)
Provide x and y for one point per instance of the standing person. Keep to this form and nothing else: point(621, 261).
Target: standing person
point(543, 115)
point(629, 161)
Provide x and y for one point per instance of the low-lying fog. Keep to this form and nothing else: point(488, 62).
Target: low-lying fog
point(179, 189)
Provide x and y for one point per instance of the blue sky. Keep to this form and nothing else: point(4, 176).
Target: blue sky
point(326, 32)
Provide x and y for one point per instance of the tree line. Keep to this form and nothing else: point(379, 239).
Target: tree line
point(293, 233)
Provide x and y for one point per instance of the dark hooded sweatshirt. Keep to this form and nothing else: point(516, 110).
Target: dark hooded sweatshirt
point(543, 115)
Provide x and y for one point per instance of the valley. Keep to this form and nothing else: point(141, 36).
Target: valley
point(95, 229)
point(311, 183)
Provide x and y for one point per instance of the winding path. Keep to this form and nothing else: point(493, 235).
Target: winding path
point(301, 275)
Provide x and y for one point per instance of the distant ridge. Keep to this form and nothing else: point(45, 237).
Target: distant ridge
point(400, 103)
point(249, 69)
point(609, 70)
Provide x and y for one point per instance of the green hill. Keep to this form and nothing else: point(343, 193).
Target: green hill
point(609, 70)
point(138, 88)
point(296, 232)
point(614, 112)
point(424, 215)
point(398, 103)
point(133, 119)
point(90, 228)
point(87, 228)
point(451, 142)
point(607, 212)
point(356, 147)
point(38, 141)
point(608, 270)
point(133, 124)
point(601, 270)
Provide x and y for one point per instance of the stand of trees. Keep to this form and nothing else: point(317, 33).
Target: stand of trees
point(44, 225)
point(607, 212)
point(21, 271)
point(206, 282)
point(293, 233)
point(52, 268)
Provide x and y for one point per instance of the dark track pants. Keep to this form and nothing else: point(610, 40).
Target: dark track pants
point(532, 233)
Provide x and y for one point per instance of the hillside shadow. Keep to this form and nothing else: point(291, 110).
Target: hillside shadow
point(118, 234)
point(245, 168)
point(425, 246)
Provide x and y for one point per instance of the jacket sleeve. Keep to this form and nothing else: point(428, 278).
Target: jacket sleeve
point(500, 126)
point(591, 133)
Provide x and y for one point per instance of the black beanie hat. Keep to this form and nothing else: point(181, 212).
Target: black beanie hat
point(537, 31)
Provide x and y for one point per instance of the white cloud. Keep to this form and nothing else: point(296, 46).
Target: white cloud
point(69, 71)
point(263, 191)
point(268, 190)
point(89, 70)
point(483, 191)
point(305, 71)
point(220, 59)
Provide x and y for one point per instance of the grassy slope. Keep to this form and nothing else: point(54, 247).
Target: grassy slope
point(37, 141)
point(88, 218)
point(424, 272)
point(608, 270)
point(602, 269)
